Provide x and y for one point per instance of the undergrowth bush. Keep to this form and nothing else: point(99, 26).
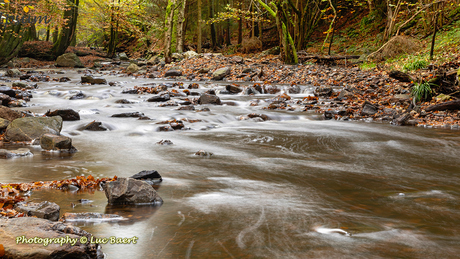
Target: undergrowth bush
point(415, 65)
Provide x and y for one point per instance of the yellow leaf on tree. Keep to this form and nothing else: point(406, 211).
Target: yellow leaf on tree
point(26, 9)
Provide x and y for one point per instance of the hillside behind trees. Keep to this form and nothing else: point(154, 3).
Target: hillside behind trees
point(149, 27)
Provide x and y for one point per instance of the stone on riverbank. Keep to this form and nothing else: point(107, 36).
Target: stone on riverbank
point(44, 210)
point(323, 91)
point(31, 128)
point(68, 60)
point(8, 91)
point(66, 115)
point(27, 227)
point(130, 191)
point(13, 72)
point(173, 72)
point(220, 73)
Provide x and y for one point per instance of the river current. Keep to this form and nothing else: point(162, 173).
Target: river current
point(295, 186)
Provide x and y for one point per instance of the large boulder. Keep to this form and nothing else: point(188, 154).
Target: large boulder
point(67, 114)
point(44, 209)
point(55, 142)
point(130, 191)
point(40, 238)
point(68, 60)
point(31, 128)
point(220, 73)
point(209, 99)
point(8, 114)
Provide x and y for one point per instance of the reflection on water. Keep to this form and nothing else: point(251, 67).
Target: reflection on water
point(293, 187)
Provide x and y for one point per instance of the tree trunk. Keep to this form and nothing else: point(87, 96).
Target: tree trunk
point(434, 35)
point(111, 49)
point(68, 31)
point(11, 41)
point(180, 27)
point(213, 26)
point(48, 31)
point(32, 33)
point(199, 28)
point(169, 28)
point(55, 34)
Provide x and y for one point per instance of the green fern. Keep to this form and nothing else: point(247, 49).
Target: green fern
point(421, 91)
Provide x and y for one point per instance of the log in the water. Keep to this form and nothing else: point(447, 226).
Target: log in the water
point(451, 105)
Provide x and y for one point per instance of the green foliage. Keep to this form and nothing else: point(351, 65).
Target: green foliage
point(415, 65)
point(421, 92)
point(367, 66)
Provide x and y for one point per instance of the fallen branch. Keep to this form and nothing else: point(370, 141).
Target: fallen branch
point(451, 105)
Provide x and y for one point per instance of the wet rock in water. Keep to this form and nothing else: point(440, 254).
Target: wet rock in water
point(129, 114)
point(250, 90)
point(203, 153)
point(328, 115)
point(89, 79)
point(186, 108)
point(3, 124)
point(130, 191)
point(132, 68)
point(78, 96)
point(369, 109)
point(21, 85)
point(15, 153)
point(130, 91)
point(13, 73)
point(17, 235)
point(8, 114)
point(262, 116)
point(220, 73)
point(45, 210)
point(94, 126)
point(233, 89)
point(31, 128)
point(205, 109)
point(4, 99)
point(68, 60)
point(66, 115)
point(294, 89)
point(209, 99)
point(159, 98)
point(323, 91)
point(165, 128)
point(90, 217)
point(150, 177)
point(173, 72)
point(64, 79)
point(54, 142)
point(8, 91)
point(176, 125)
point(165, 142)
point(124, 101)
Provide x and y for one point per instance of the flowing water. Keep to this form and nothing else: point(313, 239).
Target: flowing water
point(291, 187)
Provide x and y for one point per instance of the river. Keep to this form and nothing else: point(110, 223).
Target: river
point(295, 186)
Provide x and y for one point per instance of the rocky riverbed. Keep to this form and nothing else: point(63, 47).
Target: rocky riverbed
point(45, 109)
